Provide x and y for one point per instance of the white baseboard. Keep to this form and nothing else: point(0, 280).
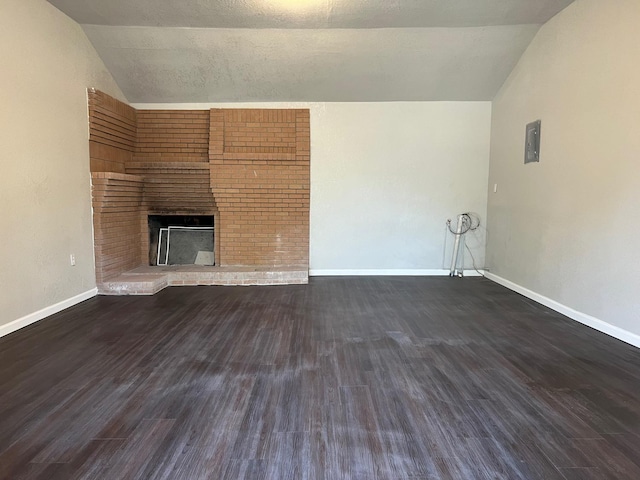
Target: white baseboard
point(34, 317)
point(588, 320)
point(387, 273)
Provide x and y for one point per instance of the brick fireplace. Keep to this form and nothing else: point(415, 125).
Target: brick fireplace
point(248, 168)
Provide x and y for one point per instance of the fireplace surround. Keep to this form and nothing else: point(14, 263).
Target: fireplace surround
point(246, 168)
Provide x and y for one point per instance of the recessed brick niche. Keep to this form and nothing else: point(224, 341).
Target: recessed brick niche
point(248, 168)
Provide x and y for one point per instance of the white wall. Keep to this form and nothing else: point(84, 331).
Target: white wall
point(386, 176)
point(47, 65)
point(568, 227)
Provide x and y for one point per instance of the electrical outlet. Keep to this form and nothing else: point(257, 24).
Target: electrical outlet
point(72, 260)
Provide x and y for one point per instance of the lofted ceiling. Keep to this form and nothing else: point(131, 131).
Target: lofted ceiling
point(190, 51)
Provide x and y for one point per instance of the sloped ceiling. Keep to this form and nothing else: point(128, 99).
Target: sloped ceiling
point(310, 50)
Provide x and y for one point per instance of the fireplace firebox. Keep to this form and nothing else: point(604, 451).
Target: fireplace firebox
point(181, 240)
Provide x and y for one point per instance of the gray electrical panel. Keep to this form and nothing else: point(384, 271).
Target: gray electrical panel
point(532, 142)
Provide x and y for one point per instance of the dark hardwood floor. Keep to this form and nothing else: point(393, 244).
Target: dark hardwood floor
point(346, 378)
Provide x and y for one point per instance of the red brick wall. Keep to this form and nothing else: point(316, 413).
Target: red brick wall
point(112, 132)
point(260, 178)
point(172, 136)
point(117, 203)
point(247, 167)
point(260, 131)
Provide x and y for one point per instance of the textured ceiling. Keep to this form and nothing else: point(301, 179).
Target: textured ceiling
point(231, 65)
point(310, 50)
point(310, 13)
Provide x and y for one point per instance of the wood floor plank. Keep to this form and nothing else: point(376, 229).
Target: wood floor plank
point(345, 378)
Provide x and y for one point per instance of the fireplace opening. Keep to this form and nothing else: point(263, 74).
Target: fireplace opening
point(181, 240)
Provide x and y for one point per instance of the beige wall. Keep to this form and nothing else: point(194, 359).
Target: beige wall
point(47, 64)
point(568, 228)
